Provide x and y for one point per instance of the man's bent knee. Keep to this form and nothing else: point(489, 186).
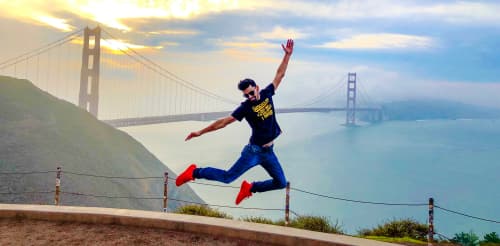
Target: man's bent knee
point(280, 183)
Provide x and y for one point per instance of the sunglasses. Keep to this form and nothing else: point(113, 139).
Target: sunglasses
point(252, 93)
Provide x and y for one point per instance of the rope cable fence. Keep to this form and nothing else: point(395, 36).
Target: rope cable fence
point(165, 198)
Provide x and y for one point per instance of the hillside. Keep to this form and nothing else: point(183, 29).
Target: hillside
point(40, 132)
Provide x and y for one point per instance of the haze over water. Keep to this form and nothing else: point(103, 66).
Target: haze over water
point(453, 161)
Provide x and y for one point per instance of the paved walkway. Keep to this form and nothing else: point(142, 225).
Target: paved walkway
point(268, 234)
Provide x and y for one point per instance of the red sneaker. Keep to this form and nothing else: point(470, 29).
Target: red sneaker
point(185, 176)
point(244, 192)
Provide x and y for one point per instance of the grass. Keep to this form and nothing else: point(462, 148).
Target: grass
point(311, 223)
point(402, 228)
point(202, 211)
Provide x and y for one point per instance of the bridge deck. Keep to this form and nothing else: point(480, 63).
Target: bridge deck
point(212, 116)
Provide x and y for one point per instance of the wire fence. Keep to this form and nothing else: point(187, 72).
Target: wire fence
point(57, 192)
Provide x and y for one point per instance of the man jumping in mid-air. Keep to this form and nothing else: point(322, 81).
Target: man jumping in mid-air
point(260, 114)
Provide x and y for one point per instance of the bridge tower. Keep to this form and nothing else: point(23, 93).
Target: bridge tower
point(89, 75)
point(351, 100)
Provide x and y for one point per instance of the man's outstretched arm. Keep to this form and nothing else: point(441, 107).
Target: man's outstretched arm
point(284, 63)
point(218, 124)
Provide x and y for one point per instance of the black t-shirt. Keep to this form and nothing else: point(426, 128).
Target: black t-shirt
point(261, 116)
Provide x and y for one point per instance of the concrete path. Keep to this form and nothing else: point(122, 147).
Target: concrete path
point(268, 234)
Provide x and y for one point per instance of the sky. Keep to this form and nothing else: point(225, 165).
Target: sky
point(399, 49)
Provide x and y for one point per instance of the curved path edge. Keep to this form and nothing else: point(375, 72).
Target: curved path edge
point(269, 234)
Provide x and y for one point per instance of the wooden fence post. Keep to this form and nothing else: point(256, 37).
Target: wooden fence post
point(58, 186)
point(165, 192)
point(430, 238)
point(287, 207)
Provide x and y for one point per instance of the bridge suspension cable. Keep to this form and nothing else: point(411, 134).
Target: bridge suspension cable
point(167, 74)
point(328, 93)
point(363, 90)
point(68, 38)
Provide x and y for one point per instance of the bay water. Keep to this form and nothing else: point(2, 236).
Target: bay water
point(456, 162)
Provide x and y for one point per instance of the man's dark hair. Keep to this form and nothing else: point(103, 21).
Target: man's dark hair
point(245, 84)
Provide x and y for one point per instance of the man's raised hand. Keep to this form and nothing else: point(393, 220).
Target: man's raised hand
point(289, 47)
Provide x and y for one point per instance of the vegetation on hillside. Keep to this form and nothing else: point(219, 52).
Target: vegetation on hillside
point(402, 231)
point(202, 211)
point(471, 239)
point(312, 223)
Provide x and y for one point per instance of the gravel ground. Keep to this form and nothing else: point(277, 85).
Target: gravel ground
point(35, 232)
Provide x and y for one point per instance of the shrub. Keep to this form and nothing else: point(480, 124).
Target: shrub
point(202, 211)
point(398, 228)
point(466, 239)
point(311, 223)
point(490, 239)
point(263, 220)
point(316, 223)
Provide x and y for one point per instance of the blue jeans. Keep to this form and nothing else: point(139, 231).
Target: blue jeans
point(251, 156)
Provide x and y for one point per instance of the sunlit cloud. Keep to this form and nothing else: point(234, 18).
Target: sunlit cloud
point(244, 43)
point(117, 46)
point(381, 41)
point(35, 12)
point(247, 55)
point(175, 32)
point(115, 13)
point(281, 33)
point(60, 24)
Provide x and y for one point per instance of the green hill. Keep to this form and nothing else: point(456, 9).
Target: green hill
point(40, 132)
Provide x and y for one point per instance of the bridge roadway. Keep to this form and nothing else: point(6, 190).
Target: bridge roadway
point(213, 115)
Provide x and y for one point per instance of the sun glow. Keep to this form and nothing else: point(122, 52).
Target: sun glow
point(111, 13)
point(119, 46)
point(115, 13)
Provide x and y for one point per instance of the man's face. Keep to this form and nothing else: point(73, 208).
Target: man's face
point(251, 92)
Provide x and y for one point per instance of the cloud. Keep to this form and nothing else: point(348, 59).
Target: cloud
point(114, 13)
point(453, 12)
point(281, 33)
point(243, 42)
point(381, 41)
point(60, 24)
point(117, 46)
point(176, 32)
point(247, 44)
point(35, 12)
point(247, 55)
